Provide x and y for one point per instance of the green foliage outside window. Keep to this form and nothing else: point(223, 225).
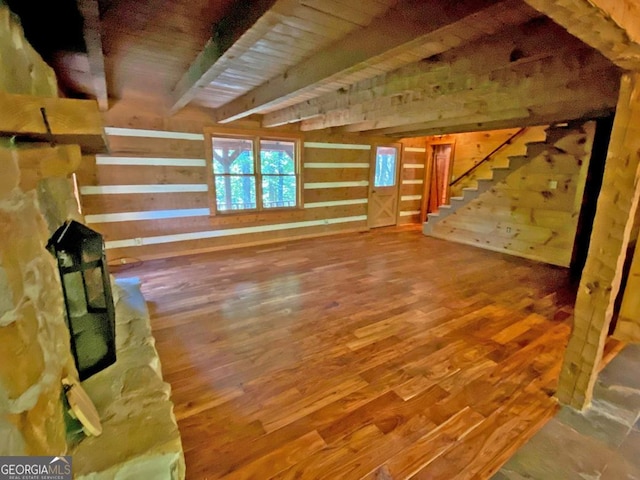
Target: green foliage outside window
point(236, 178)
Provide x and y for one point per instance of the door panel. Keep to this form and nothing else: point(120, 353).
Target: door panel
point(383, 186)
point(437, 177)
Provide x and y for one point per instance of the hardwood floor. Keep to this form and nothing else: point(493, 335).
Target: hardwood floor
point(383, 355)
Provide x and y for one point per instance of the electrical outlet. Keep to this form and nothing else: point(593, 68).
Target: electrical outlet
point(508, 229)
point(553, 184)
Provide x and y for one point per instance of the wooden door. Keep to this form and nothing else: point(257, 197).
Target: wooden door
point(437, 177)
point(383, 186)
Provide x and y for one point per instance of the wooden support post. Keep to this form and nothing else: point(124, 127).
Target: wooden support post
point(628, 325)
point(612, 228)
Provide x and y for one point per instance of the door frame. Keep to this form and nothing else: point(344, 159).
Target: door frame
point(428, 172)
point(372, 171)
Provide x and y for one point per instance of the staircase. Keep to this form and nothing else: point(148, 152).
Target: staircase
point(498, 174)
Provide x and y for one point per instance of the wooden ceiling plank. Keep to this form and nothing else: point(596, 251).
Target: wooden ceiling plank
point(244, 29)
point(302, 43)
point(93, 40)
point(386, 37)
point(285, 30)
point(314, 20)
point(610, 26)
point(348, 11)
point(392, 34)
point(279, 51)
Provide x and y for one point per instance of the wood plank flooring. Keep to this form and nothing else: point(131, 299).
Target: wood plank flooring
point(382, 355)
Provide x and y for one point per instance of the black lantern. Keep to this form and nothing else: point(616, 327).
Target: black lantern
point(87, 296)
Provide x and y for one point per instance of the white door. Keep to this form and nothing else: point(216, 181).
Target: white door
point(383, 186)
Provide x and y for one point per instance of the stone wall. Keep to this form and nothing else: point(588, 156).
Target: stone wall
point(34, 341)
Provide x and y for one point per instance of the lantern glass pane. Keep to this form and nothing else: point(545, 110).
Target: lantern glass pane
point(94, 289)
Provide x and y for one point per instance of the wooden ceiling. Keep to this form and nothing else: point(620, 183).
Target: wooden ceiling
point(394, 67)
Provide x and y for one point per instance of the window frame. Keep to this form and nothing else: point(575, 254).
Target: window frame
point(255, 136)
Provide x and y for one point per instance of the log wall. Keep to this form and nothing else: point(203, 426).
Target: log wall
point(412, 179)
point(150, 197)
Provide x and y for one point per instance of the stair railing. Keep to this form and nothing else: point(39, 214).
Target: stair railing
point(488, 156)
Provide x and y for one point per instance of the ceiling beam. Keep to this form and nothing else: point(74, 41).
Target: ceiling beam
point(411, 30)
point(90, 12)
point(52, 119)
point(527, 66)
point(555, 112)
point(551, 95)
point(610, 26)
point(231, 37)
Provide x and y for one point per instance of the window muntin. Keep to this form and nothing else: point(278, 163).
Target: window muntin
point(385, 172)
point(254, 173)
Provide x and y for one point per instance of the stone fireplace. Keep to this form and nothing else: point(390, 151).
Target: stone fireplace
point(35, 353)
point(140, 437)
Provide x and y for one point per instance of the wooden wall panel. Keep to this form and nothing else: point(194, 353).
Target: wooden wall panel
point(471, 148)
point(524, 215)
point(169, 249)
point(327, 155)
point(150, 147)
point(335, 194)
point(145, 175)
point(143, 202)
point(313, 175)
point(411, 179)
point(175, 226)
point(149, 197)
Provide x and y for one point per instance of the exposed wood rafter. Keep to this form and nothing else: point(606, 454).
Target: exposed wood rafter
point(610, 26)
point(406, 33)
point(90, 12)
point(232, 37)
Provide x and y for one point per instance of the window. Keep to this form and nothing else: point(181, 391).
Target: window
point(385, 172)
point(254, 172)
